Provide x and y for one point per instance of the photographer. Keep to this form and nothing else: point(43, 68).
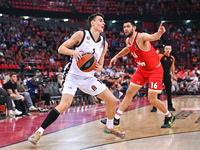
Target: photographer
point(35, 85)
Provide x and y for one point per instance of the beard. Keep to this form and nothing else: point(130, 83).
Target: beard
point(130, 34)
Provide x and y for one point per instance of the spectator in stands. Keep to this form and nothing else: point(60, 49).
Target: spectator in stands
point(175, 87)
point(22, 68)
point(187, 80)
point(125, 85)
point(192, 89)
point(6, 99)
point(117, 88)
point(196, 71)
point(28, 100)
point(19, 100)
point(127, 76)
point(194, 78)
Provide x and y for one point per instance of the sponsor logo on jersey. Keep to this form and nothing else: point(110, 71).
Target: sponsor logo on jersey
point(141, 63)
point(102, 44)
point(135, 47)
point(88, 38)
point(93, 88)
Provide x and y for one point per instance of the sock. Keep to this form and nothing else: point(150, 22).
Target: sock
point(168, 114)
point(118, 114)
point(51, 117)
point(41, 130)
point(109, 123)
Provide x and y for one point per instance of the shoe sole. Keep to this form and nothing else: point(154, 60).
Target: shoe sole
point(105, 131)
point(33, 142)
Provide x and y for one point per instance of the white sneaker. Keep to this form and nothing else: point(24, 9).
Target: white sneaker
point(32, 108)
point(16, 112)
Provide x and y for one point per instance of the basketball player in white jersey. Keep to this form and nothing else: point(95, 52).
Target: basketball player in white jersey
point(85, 42)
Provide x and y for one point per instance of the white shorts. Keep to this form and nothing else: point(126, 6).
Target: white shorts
point(89, 85)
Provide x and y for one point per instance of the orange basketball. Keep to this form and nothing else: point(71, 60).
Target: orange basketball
point(87, 62)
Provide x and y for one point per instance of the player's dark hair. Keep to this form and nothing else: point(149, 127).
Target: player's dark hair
point(93, 16)
point(130, 21)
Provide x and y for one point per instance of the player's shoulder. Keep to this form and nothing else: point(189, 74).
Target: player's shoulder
point(79, 33)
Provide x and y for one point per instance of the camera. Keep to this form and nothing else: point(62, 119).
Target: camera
point(40, 79)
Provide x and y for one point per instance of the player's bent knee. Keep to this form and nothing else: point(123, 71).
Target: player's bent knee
point(112, 101)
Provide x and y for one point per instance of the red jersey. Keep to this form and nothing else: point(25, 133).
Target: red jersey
point(147, 60)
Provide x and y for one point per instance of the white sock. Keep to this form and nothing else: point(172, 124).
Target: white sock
point(109, 123)
point(41, 130)
point(118, 114)
point(168, 114)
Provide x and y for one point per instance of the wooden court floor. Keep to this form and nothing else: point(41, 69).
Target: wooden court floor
point(142, 127)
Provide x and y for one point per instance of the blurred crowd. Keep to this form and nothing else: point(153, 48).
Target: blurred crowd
point(142, 7)
point(29, 46)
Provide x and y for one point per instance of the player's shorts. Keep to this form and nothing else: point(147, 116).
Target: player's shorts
point(154, 77)
point(89, 85)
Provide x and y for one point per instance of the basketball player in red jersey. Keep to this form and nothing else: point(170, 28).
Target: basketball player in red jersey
point(150, 69)
point(85, 41)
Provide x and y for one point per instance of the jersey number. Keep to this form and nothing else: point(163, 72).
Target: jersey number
point(154, 86)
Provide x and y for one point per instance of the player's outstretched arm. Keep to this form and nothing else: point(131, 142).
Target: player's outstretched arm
point(154, 37)
point(122, 53)
point(74, 40)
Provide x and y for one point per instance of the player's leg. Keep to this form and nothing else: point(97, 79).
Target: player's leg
point(65, 103)
point(136, 83)
point(95, 87)
point(111, 101)
point(152, 97)
point(155, 81)
point(69, 89)
point(154, 109)
point(131, 91)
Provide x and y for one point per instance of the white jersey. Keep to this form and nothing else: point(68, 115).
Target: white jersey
point(88, 45)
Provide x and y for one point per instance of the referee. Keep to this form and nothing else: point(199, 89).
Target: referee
point(167, 62)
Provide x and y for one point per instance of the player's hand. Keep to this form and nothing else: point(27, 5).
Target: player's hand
point(113, 61)
point(161, 28)
point(98, 67)
point(77, 55)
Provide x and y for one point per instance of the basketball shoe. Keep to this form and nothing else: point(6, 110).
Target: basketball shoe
point(35, 137)
point(114, 131)
point(168, 122)
point(115, 122)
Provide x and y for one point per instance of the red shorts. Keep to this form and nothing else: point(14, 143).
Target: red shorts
point(154, 76)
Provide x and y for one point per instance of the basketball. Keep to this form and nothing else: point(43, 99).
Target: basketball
point(87, 63)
